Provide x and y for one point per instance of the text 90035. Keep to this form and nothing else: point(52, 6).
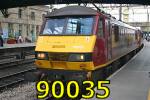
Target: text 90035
point(44, 88)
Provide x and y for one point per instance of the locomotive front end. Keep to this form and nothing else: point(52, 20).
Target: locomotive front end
point(64, 47)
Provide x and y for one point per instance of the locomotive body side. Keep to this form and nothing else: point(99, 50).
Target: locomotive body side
point(114, 39)
point(77, 43)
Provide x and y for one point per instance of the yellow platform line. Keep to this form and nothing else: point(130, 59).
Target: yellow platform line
point(148, 98)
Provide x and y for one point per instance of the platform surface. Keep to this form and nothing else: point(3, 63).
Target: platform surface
point(132, 81)
point(17, 45)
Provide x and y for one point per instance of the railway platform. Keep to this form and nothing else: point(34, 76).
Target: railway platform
point(17, 45)
point(132, 81)
point(18, 50)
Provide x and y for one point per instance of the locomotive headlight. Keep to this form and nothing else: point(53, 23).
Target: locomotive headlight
point(76, 57)
point(41, 55)
point(80, 57)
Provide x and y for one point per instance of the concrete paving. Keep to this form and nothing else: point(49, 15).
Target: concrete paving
point(132, 82)
point(17, 45)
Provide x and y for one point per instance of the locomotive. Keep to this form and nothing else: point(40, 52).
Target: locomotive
point(80, 43)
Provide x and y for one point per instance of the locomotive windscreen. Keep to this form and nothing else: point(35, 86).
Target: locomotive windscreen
point(80, 25)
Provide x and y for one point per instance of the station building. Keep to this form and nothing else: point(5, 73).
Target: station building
point(24, 21)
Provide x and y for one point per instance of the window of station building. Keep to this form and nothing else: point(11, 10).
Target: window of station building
point(27, 28)
point(32, 29)
point(116, 31)
point(100, 28)
point(20, 29)
point(37, 29)
point(10, 29)
point(33, 15)
point(19, 13)
point(43, 17)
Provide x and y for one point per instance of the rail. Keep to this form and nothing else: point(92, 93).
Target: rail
point(14, 63)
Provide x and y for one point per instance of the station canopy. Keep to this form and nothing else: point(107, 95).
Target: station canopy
point(20, 3)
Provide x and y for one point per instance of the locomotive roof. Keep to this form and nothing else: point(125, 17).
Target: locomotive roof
point(120, 23)
point(81, 10)
point(72, 10)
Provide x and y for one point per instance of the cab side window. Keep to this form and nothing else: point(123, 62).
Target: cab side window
point(107, 26)
point(116, 32)
point(100, 28)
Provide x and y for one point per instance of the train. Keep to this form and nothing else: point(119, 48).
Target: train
point(80, 43)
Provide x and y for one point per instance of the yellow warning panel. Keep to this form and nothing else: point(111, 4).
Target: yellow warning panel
point(66, 43)
point(148, 95)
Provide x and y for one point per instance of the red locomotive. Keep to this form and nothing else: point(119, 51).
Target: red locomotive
point(80, 43)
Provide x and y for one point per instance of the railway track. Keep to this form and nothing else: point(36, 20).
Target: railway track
point(12, 71)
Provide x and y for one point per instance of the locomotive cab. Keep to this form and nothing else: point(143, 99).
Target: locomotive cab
point(66, 43)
